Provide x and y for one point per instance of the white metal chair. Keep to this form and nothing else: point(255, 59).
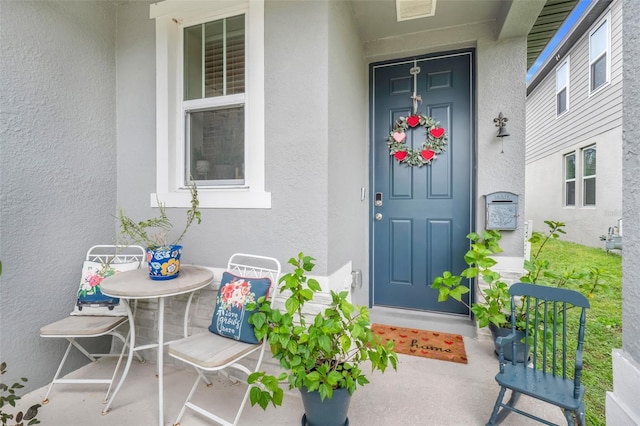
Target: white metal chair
point(95, 315)
point(212, 352)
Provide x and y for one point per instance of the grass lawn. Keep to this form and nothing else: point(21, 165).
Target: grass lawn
point(604, 319)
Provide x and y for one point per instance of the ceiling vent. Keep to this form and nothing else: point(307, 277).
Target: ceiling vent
point(414, 9)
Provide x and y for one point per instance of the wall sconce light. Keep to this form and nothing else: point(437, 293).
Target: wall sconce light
point(501, 124)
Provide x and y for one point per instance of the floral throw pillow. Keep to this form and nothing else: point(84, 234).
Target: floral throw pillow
point(230, 316)
point(90, 299)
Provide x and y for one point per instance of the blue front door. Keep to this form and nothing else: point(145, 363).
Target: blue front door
point(421, 215)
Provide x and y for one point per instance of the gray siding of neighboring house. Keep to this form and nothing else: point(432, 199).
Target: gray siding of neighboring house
point(595, 119)
point(58, 165)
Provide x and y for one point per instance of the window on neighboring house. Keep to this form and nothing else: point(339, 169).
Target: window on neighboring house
point(589, 176)
point(562, 88)
point(570, 179)
point(210, 103)
point(599, 56)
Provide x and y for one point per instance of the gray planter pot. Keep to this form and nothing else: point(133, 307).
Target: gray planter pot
point(521, 356)
point(330, 412)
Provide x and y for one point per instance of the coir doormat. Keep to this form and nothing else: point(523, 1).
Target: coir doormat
point(424, 343)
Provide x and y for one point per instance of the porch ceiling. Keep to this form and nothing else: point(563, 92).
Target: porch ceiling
point(552, 16)
point(376, 19)
point(536, 19)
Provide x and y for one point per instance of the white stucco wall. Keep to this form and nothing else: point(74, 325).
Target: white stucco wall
point(348, 148)
point(135, 108)
point(501, 88)
point(297, 141)
point(58, 165)
point(631, 181)
point(623, 403)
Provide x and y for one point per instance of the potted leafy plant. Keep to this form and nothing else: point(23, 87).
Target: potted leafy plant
point(8, 397)
point(492, 305)
point(163, 255)
point(321, 355)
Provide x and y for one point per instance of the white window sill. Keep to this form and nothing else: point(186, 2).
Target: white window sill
point(216, 199)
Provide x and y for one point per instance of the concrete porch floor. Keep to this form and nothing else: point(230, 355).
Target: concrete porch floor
point(422, 392)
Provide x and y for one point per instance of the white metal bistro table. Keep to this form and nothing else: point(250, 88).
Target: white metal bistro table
point(136, 284)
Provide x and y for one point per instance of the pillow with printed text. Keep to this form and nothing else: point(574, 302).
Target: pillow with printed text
point(230, 316)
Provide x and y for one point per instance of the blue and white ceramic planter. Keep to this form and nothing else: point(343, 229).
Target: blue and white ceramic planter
point(164, 262)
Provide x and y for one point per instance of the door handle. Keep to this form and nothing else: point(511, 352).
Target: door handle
point(378, 216)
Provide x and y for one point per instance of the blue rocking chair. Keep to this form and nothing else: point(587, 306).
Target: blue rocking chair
point(547, 376)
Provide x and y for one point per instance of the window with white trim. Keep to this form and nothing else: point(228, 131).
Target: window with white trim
point(599, 57)
point(210, 103)
point(589, 176)
point(562, 88)
point(213, 102)
point(570, 179)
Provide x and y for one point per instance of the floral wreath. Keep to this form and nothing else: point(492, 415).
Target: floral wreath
point(433, 144)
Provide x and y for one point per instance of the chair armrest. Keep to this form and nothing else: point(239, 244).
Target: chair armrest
point(500, 343)
point(579, 360)
point(502, 340)
point(577, 374)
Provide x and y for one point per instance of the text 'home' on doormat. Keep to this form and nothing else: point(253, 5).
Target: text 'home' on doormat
point(424, 343)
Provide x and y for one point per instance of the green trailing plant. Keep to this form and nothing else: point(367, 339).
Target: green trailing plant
point(154, 232)
point(8, 397)
point(320, 353)
point(493, 302)
point(589, 281)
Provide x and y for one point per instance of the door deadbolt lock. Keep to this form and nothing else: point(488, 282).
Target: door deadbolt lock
point(378, 199)
point(378, 216)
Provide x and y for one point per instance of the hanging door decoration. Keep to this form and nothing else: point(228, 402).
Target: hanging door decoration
point(436, 136)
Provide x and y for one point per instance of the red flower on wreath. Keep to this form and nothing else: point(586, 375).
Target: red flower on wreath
point(437, 132)
point(427, 154)
point(400, 155)
point(413, 120)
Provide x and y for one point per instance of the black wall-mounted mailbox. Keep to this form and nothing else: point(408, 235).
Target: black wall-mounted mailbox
point(502, 211)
